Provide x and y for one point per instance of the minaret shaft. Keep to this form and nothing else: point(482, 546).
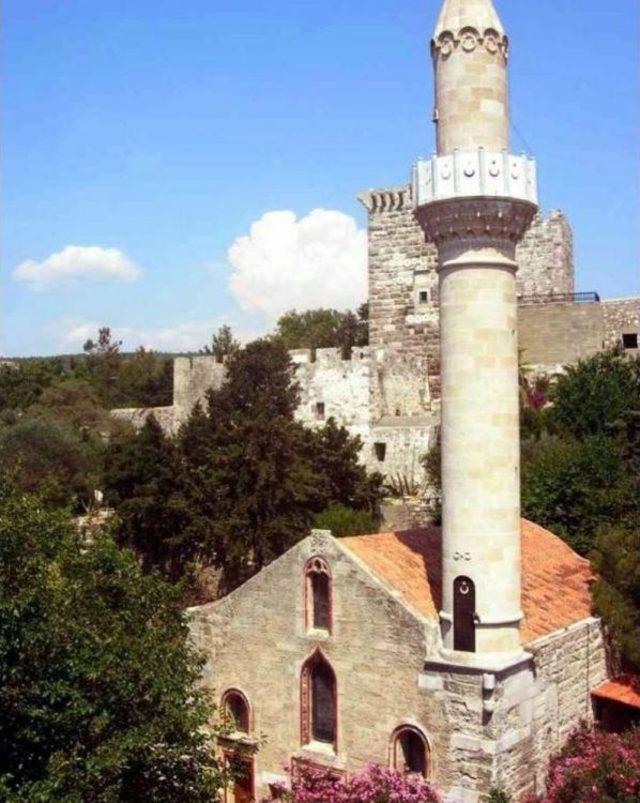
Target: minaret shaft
point(469, 51)
point(475, 201)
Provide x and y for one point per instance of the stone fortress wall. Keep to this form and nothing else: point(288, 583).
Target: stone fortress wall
point(388, 393)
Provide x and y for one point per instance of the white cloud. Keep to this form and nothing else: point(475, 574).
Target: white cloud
point(78, 263)
point(316, 261)
point(183, 336)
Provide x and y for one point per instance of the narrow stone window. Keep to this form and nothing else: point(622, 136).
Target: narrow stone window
point(320, 410)
point(410, 751)
point(380, 449)
point(630, 340)
point(464, 615)
point(318, 595)
point(318, 693)
point(235, 708)
point(423, 296)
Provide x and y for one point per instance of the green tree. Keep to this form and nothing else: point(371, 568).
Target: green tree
point(324, 328)
point(22, 383)
point(574, 486)
point(343, 520)
point(342, 479)
point(103, 363)
point(74, 403)
point(97, 694)
point(53, 459)
point(616, 593)
point(143, 482)
point(223, 344)
point(144, 379)
point(592, 396)
point(249, 478)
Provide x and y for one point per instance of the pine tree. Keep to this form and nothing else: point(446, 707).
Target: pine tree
point(250, 481)
point(143, 481)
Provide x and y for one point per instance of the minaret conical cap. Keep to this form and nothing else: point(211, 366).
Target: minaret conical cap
point(458, 14)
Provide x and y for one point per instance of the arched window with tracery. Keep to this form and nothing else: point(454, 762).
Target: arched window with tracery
point(318, 701)
point(236, 711)
point(410, 751)
point(318, 595)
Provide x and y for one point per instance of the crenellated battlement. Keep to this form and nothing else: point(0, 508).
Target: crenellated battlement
point(393, 199)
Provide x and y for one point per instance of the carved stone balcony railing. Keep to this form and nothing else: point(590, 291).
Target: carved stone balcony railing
point(468, 174)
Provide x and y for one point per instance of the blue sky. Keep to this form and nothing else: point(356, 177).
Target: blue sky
point(166, 129)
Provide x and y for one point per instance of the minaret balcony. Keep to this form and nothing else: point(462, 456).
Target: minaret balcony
point(475, 174)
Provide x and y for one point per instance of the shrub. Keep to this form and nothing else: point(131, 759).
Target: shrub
point(343, 520)
point(373, 784)
point(596, 766)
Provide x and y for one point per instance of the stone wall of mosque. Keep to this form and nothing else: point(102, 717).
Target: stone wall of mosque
point(517, 717)
point(376, 648)
point(486, 726)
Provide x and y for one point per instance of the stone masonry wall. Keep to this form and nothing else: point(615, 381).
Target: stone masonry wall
point(485, 728)
point(192, 378)
point(545, 257)
point(376, 650)
point(136, 416)
point(403, 282)
point(621, 316)
point(402, 279)
point(539, 709)
point(559, 333)
point(516, 718)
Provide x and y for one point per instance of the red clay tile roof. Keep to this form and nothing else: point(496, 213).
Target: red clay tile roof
point(624, 689)
point(555, 581)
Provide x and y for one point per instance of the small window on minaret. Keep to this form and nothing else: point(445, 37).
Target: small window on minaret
point(424, 296)
point(380, 450)
point(630, 340)
point(320, 411)
point(464, 614)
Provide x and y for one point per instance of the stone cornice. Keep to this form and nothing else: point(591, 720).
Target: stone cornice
point(483, 218)
point(467, 39)
point(393, 199)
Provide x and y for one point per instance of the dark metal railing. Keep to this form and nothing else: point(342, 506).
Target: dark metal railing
point(559, 298)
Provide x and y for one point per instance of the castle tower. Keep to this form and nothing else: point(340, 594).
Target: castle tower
point(475, 201)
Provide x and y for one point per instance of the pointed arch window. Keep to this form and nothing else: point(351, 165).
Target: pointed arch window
point(236, 711)
point(318, 594)
point(410, 751)
point(318, 701)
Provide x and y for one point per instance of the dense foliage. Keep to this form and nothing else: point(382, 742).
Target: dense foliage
point(223, 344)
point(596, 766)
point(373, 784)
point(243, 480)
point(324, 328)
point(616, 592)
point(97, 701)
point(572, 486)
point(581, 472)
point(140, 379)
point(53, 459)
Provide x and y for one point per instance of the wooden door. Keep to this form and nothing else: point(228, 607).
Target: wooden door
point(464, 609)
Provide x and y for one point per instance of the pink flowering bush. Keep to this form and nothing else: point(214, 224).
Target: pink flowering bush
point(596, 766)
point(373, 784)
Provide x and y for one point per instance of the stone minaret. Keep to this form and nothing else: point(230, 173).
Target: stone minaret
point(474, 200)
